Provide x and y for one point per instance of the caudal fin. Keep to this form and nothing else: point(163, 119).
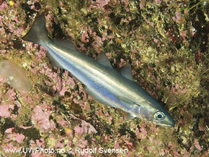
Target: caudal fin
point(38, 32)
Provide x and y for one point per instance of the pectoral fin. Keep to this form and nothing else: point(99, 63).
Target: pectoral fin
point(129, 117)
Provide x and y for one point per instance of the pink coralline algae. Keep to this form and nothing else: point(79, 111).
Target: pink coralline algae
point(16, 137)
point(99, 4)
point(85, 129)
point(41, 119)
point(5, 110)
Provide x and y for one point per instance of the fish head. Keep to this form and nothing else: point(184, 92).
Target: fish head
point(153, 113)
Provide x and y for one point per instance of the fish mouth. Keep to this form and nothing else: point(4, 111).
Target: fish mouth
point(170, 123)
point(166, 125)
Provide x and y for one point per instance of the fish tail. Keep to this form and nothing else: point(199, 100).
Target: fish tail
point(38, 32)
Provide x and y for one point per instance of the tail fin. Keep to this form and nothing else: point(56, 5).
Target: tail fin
point(38, 32)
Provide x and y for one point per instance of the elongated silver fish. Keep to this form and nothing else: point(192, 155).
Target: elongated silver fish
point(101, 81)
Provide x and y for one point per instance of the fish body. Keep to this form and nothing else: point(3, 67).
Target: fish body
point(101, 80)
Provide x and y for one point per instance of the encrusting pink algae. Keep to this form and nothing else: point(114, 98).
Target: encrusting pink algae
point(166, 43)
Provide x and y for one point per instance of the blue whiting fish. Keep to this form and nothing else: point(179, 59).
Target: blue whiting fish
point(101, 81)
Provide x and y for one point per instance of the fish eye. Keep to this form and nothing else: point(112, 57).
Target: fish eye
point(159, 116)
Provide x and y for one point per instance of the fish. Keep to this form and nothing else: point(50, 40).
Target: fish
point(100, 79)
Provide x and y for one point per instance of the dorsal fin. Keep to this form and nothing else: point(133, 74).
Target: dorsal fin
point(126, 71)
point(102, 59)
